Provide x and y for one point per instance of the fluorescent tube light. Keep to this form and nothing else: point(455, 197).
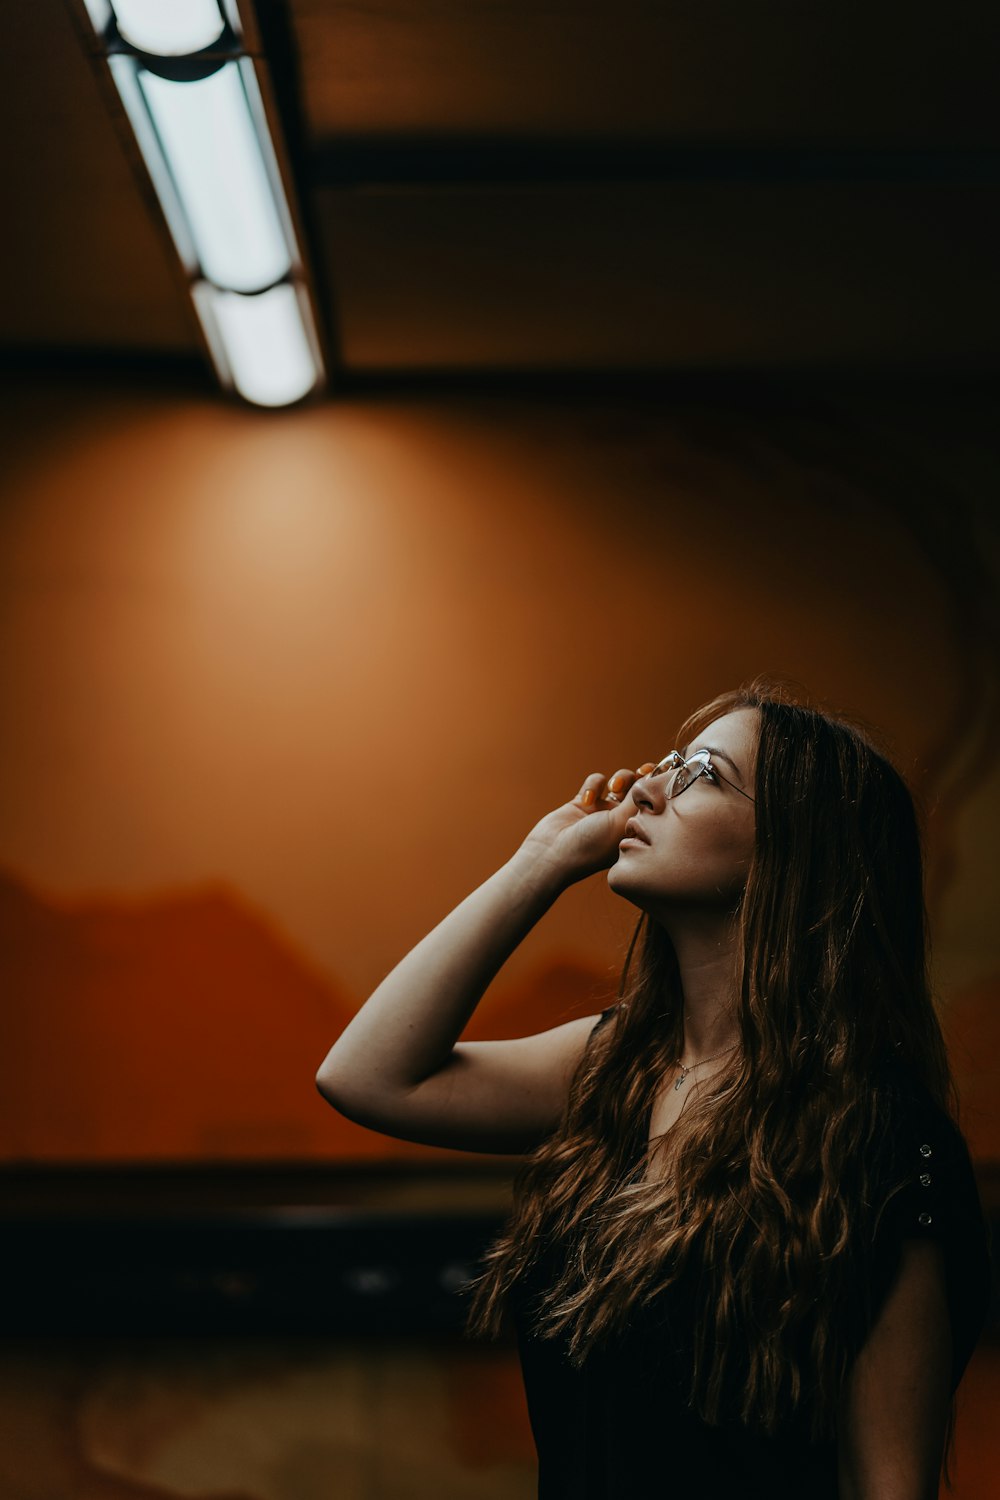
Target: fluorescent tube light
point(99, 12)
point(208, 138)
point(169, 28)
point(123, 71)
point(267, 342)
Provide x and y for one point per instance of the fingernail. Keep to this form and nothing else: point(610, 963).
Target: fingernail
point(587, 796)
point(614, 784)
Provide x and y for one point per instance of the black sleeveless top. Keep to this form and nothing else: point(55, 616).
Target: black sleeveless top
point(619, 1427)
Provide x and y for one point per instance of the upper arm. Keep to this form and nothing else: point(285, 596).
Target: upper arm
point(502, 1097)
point(895, 1404)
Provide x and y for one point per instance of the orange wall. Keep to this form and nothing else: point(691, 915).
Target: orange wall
point(282, 687)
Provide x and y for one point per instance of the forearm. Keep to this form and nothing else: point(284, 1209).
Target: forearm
point(407, 1028)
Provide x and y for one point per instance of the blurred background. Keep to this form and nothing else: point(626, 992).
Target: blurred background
point(655, 347)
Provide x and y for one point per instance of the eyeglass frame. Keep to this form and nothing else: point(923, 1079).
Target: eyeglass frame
point(705, 767)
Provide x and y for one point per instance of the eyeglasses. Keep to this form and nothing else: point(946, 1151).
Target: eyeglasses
point(681, 773)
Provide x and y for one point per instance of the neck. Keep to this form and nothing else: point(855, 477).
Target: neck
point(706, 946)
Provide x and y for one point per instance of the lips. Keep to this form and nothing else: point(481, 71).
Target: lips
point(633, 831)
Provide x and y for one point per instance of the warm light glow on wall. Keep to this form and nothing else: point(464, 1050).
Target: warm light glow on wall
point(192, 97)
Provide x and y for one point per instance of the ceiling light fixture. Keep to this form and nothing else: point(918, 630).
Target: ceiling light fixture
point(198, 116)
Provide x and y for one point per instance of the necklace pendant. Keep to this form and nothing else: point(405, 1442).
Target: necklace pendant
point(684, 1074)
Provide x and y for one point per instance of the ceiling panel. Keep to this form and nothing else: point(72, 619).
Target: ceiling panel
point(496, 185)
point(686, 274)
point(774, 72)
point(85, 262)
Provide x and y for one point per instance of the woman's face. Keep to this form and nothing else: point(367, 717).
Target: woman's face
point(695, 849)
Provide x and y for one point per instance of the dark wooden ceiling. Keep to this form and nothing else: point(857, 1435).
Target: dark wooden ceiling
point(513, 186)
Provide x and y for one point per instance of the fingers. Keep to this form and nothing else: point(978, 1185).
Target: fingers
point(610, 791)
point(622, 782)
point(618, 785)
point(592, 786)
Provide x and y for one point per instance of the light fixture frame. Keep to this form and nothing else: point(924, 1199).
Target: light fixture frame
point(241, 45)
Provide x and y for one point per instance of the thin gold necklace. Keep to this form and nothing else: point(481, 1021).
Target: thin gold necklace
point(686, 1071)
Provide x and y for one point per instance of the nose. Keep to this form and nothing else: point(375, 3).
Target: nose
point(647, 792)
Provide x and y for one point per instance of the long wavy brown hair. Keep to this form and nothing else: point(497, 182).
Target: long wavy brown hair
point(764, 1185)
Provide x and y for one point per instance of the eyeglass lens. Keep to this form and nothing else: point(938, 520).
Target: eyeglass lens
point(679, 773)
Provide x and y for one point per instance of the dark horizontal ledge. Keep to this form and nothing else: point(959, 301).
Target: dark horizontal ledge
point(355, 162)
point(947, 379)
point(277, 1272)
point(167, 367)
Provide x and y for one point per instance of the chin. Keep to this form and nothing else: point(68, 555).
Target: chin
point(622, 884)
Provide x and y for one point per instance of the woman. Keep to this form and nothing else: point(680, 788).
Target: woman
point(746, 1253)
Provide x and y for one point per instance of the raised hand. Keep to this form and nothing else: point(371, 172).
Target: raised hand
point(582, 836)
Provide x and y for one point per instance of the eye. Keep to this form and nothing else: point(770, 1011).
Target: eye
point(700, 760)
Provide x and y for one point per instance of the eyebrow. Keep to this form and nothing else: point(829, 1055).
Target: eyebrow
point(711, 750)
